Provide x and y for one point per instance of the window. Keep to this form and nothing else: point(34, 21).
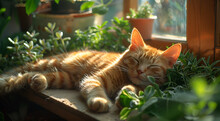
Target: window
point(115, 10)
point(171, 18)
point(200, 28)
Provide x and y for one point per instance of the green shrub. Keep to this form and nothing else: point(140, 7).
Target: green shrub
point(191, 93)
point(200, 103)
point(29, 48)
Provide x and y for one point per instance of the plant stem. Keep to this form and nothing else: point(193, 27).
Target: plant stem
point(108, 3)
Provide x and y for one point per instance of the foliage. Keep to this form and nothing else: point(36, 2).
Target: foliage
point(31, 6)
point(190, 94)
point(100, 7)
point(29, 48)
point(144, 11)
point(200, 103)
point(99, 38)
point(21, 51)
point(56, 42)
point(189, 66)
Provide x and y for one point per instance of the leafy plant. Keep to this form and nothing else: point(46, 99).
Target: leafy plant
point(24, 50)
point(190, 94)
point(189, 66)
point(144, 11)
point(29, 48)
point(100, 37)
point(98, 7)
point(198, 104)
point(56, 42)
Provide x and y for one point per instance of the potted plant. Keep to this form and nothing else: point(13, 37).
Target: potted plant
point(66, 6)
point(76, 14)
point(143, 20)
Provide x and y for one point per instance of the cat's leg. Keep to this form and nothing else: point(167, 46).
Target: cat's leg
point(128, 88)
point(38, 82)
point(93, 91)
point(60, 79)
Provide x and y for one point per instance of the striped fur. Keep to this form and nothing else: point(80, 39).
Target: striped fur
point(98, 75)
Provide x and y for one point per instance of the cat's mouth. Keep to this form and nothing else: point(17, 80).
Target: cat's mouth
point(143, 80)
point(140, 81)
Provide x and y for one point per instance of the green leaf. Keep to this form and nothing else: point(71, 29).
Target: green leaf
point(31, 44)
point(104, 23)
point(59, 34)
point(124, 113)
point(86, 5)
point(57, 1)
point(31, 6)
point(141, 93)
point(149, 92)
point(199, 86)
point(50, 25)
point(47, 29)
point(66, 38)
point(2, 10)
point(212, 106)
point(53, 26)
point(11, 40)
point(134, 103)
point(26, 45)
point(100, 10)
point(126, 97)
point(9, 47)
point(150, 102)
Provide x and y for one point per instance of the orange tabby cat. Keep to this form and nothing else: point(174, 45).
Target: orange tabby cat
point(98, 75)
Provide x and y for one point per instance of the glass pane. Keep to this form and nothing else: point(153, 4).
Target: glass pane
point(115, 10)
point(171, 18)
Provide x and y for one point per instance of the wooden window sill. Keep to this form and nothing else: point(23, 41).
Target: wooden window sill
point(69, 105)
point(164, 42)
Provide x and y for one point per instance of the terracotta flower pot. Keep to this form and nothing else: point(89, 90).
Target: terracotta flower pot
point(67, 23)
point(144, 25)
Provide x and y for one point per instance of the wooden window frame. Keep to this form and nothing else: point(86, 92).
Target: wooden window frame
point(201, 28)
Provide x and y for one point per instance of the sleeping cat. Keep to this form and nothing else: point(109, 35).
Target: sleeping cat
point(98, 75)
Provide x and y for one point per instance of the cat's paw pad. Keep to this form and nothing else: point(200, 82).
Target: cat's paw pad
point(99, 104)
point(38, 82)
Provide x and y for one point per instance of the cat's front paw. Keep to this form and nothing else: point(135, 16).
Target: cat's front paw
point(117, 102)
point(38, 82)
point(99, 104)
point(127, 88)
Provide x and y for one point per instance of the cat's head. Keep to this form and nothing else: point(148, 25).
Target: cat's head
point(143, 60)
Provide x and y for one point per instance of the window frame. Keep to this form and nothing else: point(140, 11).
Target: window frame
point(201, 28)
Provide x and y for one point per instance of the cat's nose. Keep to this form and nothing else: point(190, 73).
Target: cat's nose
point(139, 71)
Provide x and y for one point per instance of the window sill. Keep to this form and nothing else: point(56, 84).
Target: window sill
point(162, 42)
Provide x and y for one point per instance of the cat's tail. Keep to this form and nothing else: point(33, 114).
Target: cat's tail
point(11, 83)
point(20, 81)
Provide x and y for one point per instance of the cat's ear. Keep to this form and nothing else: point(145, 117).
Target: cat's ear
point(136, 40)
point(172, 53)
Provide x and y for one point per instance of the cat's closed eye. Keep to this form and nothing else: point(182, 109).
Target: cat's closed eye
point(131, 61)
point(153, 66)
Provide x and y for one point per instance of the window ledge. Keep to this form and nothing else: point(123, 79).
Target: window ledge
point(69, 105)
point(169, 38)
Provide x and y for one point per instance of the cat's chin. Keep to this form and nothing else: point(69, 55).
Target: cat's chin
point(138, 81)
